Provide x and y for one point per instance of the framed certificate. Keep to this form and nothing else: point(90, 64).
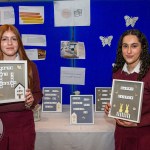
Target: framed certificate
point(81, 109)
point(52, 99)
point(126, 100)
point(102, 97)
point(13, 81)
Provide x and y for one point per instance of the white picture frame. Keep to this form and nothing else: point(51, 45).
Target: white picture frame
point(126, 100)
point(13, 81)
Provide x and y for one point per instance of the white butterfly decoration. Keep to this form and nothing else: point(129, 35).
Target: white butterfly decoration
point(130, 20)
point(106, 40)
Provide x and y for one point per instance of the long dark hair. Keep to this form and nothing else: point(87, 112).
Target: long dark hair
point(144, 56)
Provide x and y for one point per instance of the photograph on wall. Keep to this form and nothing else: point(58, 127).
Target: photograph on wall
point(36, 54)
point(13, 81)
point(102, 97)
point(52, 99)
point(126, 100)
point(71, 49)
point(81, 109)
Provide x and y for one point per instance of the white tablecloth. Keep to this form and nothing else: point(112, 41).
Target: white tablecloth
point(54, 132)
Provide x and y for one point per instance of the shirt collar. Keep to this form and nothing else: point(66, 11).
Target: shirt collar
point(17, 57)
point(136, 69)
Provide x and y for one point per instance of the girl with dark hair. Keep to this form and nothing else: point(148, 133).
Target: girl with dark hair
point(133, 63)
point(17, 118)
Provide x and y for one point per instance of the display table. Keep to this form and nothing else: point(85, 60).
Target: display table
point(54, 132)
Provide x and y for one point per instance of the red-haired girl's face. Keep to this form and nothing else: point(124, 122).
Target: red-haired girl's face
point(9, 45)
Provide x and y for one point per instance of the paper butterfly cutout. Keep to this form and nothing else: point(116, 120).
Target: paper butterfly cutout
point(106, 40)
point(130, 20)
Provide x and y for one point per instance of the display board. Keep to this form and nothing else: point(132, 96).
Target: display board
point(109, 19)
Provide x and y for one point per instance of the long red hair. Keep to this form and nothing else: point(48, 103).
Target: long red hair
point(21, 50)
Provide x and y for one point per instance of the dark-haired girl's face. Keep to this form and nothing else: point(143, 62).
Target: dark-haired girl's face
point(131, 50)
point(9, 45)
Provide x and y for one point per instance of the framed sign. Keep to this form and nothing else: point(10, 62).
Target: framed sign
point(81, 109)
point(13, 81)
point(126, 100)
point(102, 97)
point(52, 99)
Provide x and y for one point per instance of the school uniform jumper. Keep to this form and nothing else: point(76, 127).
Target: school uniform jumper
point(135, 138)
point(18, 122)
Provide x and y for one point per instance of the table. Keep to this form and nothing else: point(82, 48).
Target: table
point(54, 132)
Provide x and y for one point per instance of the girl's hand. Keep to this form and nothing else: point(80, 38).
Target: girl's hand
point(107, 108)
point(125, 123)
point(29, 99)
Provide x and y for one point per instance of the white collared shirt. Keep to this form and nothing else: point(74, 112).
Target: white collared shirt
point(17, 57)
point(136, 69)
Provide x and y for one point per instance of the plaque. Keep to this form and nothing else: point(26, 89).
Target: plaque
point(13, 81)
point(126, 100)
point(52, 99)
point(81, 109)
point(102, 97)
